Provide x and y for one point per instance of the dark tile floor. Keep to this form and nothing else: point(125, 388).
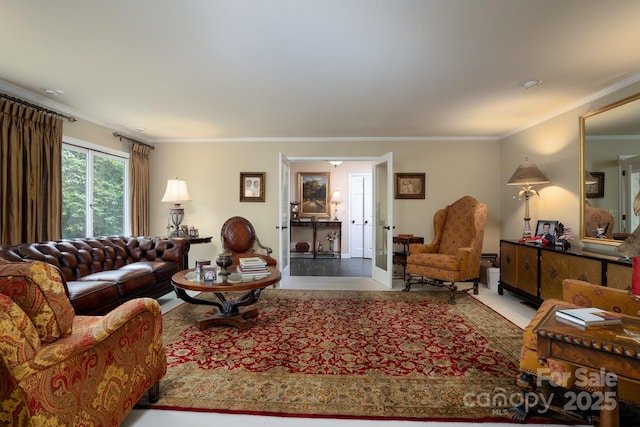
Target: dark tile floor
point(332, 267)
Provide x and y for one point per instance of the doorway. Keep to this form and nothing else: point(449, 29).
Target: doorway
point(353, 177)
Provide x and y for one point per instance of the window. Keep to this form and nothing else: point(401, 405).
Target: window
point(95, 191)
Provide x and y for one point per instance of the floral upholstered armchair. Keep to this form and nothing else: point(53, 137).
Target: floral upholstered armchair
point(456, 250)
point(575, 294)
point(239, 238)
point(59, 369)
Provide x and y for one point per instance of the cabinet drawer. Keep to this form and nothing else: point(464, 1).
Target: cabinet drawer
point(508, 263)
point(619, 276)
point(527, 272)
point(556, 266)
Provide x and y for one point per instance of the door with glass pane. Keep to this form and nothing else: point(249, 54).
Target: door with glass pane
point(382, 265)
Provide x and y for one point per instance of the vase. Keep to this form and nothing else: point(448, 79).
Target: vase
point(332, 246)
point(223, 261)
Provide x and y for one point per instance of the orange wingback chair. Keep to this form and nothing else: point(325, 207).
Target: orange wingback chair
point(59, 369)
point(575, 294)
point(454, 254)
point(239, 238)
point(597, 219)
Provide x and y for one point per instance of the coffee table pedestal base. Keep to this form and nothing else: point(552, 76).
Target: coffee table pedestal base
point(242, 320)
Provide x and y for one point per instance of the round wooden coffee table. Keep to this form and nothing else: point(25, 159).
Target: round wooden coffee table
point(229, 312)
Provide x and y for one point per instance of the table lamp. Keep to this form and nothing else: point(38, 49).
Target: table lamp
point(336, 199)
point(176, 193)
point(526, 176)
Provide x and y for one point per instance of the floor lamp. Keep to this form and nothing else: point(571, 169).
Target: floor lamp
point(526, 176)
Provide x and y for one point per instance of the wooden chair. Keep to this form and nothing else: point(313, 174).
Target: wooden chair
point(239, 238)
point(455, 252)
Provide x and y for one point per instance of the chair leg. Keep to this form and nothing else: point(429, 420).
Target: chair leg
point(521, 412)
point(475, 286)
point(154, 392)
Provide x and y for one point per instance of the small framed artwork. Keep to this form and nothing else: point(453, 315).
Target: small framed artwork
point(410, 185)
point(313, 192)
point(547, 229)
point(252, 185)
point(595, 190)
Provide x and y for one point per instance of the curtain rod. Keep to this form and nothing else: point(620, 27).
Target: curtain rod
point(117, 135)
point(38, 107)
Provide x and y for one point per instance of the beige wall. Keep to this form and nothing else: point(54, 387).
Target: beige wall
point(454, 168)
point(553, 146)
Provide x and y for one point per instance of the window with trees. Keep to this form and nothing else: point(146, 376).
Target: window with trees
point(95, 192)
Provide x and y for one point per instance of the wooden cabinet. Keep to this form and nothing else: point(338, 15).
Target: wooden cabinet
point(319, 232)
point(536, 273)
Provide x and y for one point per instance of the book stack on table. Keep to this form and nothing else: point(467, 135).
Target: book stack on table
point(589, 316)
point(252, 268)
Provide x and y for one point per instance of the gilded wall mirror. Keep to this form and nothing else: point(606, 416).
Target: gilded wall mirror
point(610, 172)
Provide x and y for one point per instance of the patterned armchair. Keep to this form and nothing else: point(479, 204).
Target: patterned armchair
point(239, 238)
point(575, 293)
point(59, 369)
point(454, 254)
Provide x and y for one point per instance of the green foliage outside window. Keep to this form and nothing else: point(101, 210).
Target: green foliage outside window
point(108, 193)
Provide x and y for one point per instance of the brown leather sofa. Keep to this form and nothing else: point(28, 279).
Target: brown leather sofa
point(102, 273)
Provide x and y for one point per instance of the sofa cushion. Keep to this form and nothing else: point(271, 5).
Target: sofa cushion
point(530, 337)
point(162, 270)
point(38, 289)
point(131, 280)
point(20, 341)
point(89, 295)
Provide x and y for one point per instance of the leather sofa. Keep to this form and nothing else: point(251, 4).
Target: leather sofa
point(59, 369)
point(101, 273)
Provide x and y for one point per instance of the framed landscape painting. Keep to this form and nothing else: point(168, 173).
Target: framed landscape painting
point(313, 193)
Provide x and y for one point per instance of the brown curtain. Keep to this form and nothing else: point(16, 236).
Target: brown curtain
point(139, 175)
point(31, 172)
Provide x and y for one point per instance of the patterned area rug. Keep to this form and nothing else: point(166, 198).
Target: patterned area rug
point(353, 354)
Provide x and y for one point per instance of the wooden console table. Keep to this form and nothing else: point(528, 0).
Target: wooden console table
point(535, 272)
point(321, 227)
point(610, 348)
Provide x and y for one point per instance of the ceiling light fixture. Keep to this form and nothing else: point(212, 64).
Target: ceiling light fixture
point(53, 92)
point(531, 83)
point(335, 163)
point(139, 129)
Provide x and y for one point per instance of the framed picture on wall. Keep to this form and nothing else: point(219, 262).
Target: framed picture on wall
point(313, 193)
point(252, 185)
point(410, 185)
point(595, 190)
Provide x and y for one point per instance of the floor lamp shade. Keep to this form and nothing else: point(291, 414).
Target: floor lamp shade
point(526, 176)
point(176, 193)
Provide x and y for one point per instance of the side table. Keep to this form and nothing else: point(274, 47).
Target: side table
point(610, 350)
point(193, 241)
point(400, 257)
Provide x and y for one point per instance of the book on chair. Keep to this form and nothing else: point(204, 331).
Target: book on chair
point(589, 316)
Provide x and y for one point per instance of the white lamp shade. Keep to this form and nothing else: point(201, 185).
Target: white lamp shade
point(336, 197)
point(176, 191)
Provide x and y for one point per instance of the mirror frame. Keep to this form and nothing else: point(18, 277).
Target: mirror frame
point(583, 236)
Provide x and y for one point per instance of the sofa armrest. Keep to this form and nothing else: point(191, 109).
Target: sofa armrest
point(176, 249)
point(585, 294)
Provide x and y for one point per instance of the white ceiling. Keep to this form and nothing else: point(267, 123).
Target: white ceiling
point(388, 69)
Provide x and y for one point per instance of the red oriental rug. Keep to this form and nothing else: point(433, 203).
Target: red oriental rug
point(351, 354)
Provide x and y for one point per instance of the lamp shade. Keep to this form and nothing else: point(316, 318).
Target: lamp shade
point(176, 191)
point(336, 197)
point(527, 174)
